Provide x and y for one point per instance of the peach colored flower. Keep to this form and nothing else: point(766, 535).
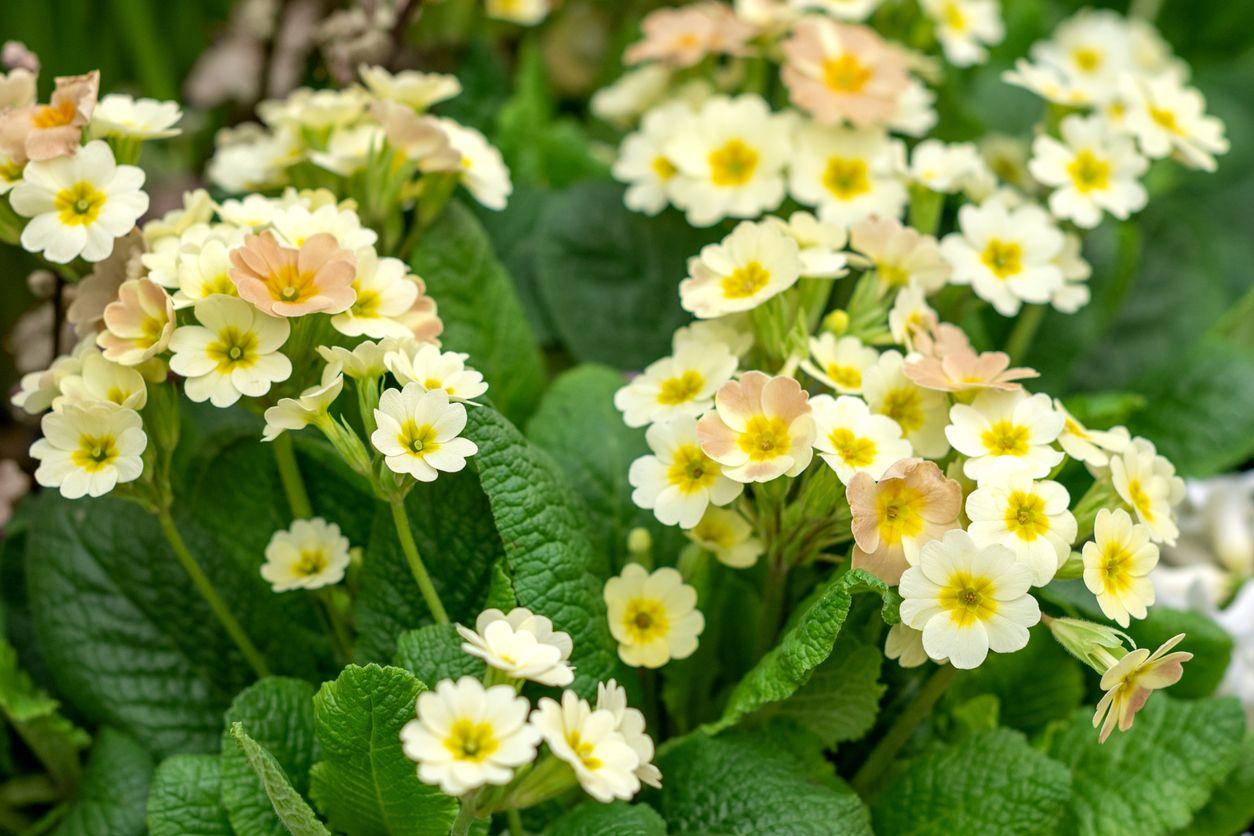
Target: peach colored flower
point(912, 504)
point(682, 37)
point(138, 325)
point(1129, 682)
point(285, 281)
point(419, 138)
point(945, 361)
point(843, 72)
point(94, 293)
point(42, 132)
point(422, 318)
point(761, 428)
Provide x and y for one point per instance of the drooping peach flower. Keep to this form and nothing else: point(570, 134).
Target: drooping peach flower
point(138, 324)
point(945, 361)
point(912, 504)
point(285, 281)
point(900, 255)
point(42, 132)
point(422, 318)
point(420, 138)
point(761, 428)
point(1129, 682)
point(682, 37)
point(843, 72)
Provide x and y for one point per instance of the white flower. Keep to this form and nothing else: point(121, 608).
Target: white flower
point(653, 617)
point(840, 363)
point(197, 208)
point(349, 148)
point(732, 331)
point(78, 205)
point(296, 224)
point(1006, 434)
point(679, 482)
point(728, 536)
point(589, 741)
point(631, 94)
point(852, 10)
point(1073, 293)
point(900, 255)
point(100, 380)
point(1147, 483)
point(916, 113)
point(852, 440)
point(921, 413)
point(203, 266)
point(1085, 57)
point(1091, 170)
point(1029, 518)
point(258, 162)
point(820, 242)
point(752, 264)
point(250, 212)
point(310, 554)
point(87, 450)
point(483, 170)
point(1168, 118)
point(681, 385)
point(410, 87)
point(909, 313)
point(1117, 564)
point(522, 12)
point(965, 28)
point(364, 360)
point(37, 390)
point(419, 432)
point(522, 644)
point(949, 168)
point(131, 118)
point(425, 366)
point(968, 600)
point(848, 174)
point(310, 408)
point(612, 697)
point(385, 293)
point(730, 160)
point(642, 162)
point(905, 644)
point(233, 352)
point(316, 109)
point(1093, 447)
point(1006, 255)
point(466, 735)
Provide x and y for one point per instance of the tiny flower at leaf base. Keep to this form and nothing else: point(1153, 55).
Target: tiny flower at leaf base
point(1093, 170)
point(653, 617)
point(1029, 518)
point(1129, 682)
point(589, 741)
point(522, 644)
point(233, 352)
point(682, 385)
point(139, 324)
point(852, 440)
point(968, 600)
point(1147, 483)
point(840, 363)
point(761, 428)
point(310, 408)
point(754, 263)
point(728, 536)
point(89, 449)
point(1006, 434)
point(921, 413)
point(679, 481)
point(612, 697)
point(1117, 564)
point(425, 366)
point(466, 736)
point(419, 432)
point(284, 281)
point(310, 554)
point(912, 504)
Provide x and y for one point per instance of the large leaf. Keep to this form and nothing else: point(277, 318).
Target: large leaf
point(434, 652)
point(1231, 809)
point(112, 799)
point(278, 715)
point(992, 782)
point(37, 719)
point(183, 799)
point(1157, 774)
point(364, 784)
point(292, 811)
point(592, 818)
point(481, 312)
point(842, 697)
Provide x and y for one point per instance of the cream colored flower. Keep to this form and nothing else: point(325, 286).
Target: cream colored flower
point(1091, 170)
point(425, 366)
point(612, 697)
point(385, 292)
point(419, 432)
point(310, 408)
point(1147, 483)
point(409, 87)
point(298, 222)
point(1129, 682)
point(728, 536)
point(630, 95)
point(1168, 118)
point(522, 644)
point(921, 413)
point(642, 162)
point(589, 741)
point(1093, 447)
point(849, 175)
point(901, 256)
point(653, 617)
point(679, 482)
point(911, 504)
point(315, 109)
point(483, 170)
point(233, 352)
point(204, 268)
point(100, 380)
point(37, 390)
point(761, 428)
point(852, 440)
point(139, 324)
point(682, 385)
point(522, 12)
point(89, 449)
point(1006, 434)
point(905, 644)
point(951, 168)
point(310, 554)
point(364, 360)
point(752, 264)
point(910, 313)
point(840, 363)
point(1029, 518)
point(820, 242)
point(965, 28)
point(131, 118)
point(1117, 564)
point(732, 331)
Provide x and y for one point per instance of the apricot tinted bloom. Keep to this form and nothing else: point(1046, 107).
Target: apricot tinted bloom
point(1006, 255)
point(752, 264)
point(1129, 682)
point(522, 644)
point(310, 554)
point(1147, 483)
point(965, 28)
point(921, 413)
point(138, 324)
point(682, 37)
point(852, 440)
point(1091, 170)
point(1117, 564)
point(951, 365)
point(310, 408)
point(1029, 518)
point(43, 132)
point(968, 600)
point(588, 740)
point(1168, 118)
point(653, 617)
point(761, 428)
point(419, 432)
point(679, 481)
point(841, 72)
point(425, 366)
point(840, 363)
point(911, 504)
point(282, 281)
point(728, 536)
point(1006, 434)
point(234, 351)
point(900, 255)
point(849, 175)
point(681, 385)
point(88, 449)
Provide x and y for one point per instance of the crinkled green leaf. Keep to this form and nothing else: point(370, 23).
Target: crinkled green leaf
point(37, 719)
point(364, 784)
point(512, 230)
point(184, 798)
point(278, 715)
point(112, 798)
point(1231, 808)
point(293, 811)
point(992, 782)
point(1153, 777)
point(434, 652)
point(592, 818)
point(841, 699)
point(1210, 644)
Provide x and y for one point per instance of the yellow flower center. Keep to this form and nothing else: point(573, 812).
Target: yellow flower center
point(765, 438)
point(681, 388)
point(471, 741)
point(1116, 566)
point(846, 178)
point(893, 275)
point(80, 204)
point(904, 405)
point(645, 620)
point(310, 563)
point(1006, 439)
point(953, 17)
point(691, 470)
point(845, 74)
point(583, 750)
point(289, 284)
point(233, 349)
point(418, 439)
point(1165, 119)
point(663, 168)
point(745, 281)
point(853, 450)
point(367, 303)
point(1089, 172)
point(733, 164)
point(1025, 515)
point(1140, 500)
point(1087, 58)
point(846, 377)
point(899, 511)
point(95, 452)
point(11, 171)
point(715, 532)
point(968, 598)
point(1004, 258)
point(1072, 427)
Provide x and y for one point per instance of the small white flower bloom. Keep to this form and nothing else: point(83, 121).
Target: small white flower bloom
point(250, 212)
point(466, 735)
point(296, 224)
point(233, 352)
point(682, 385)
point(921, 413)
point(317, 109)
point(631, 94)
point(310, 554)
point(728, 536)
point(840, 362)
point(848, 174)
point(78, 205)
point(1073, 293)
point(820, 242)
point(968, 600)
point(642, 162)
point(1117, 564)
point(88, 449)
point(310, 408)
point(752, 264)
point(349, 148)
point(910, 311)
point(483, 170)
point(363, 361)
point(948, 168)
point(425, 366)
point(1168, 118)
point(679, 482)
point(131, 118)
point(853, 440)
point(1085, 57)
point(653, 617)
point(612, 697)
point(1091, 170)
point(522, 644)
point(409, 87)
point(37, 390)
point(100, 380)
point(590, 742)
point(732, 331)
point(1147, 483)
point(965, 28)
point(1093, 447)
point(916, 110)
point(419, 432)
point(385, 293)
point(203, 268)
point(1006, 434)
point(851, 10)
point(1029, 518)
point(905, 644)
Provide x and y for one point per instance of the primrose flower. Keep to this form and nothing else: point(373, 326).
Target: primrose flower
point(1006, 434)
point(99, 380)
point(421, 139)
point(589, 741)
point(522, 644)
point(1117, 564)
point(653, 617)
point(852, 440)
point(642, 162)
point(900, 255)
point(1091, 170)
point(1129, 682)
point(310, 554)
point(425, 366)
point(233, 352)
point(1148, 485)
point(948, 168)
point(965, 28)
point(301, 218)
point(752, 264)
point(1029, 518)
point(384, 292)
point(944, 361)
point(205, 269)
point(921, 413)
point(138, 324)
point(679, 481)
point(44, 132)
point(761, 428)
point(419, 432)
point(1093, 447)
point(411, 88)
point(364, 360)
point(910, 313)
point(282, 281)
point(728, 536)
point(310, 408)
point(905, 644)
point(682, 37)
point(911, 504)
point(820, 242)
point(840, 363)
point(612, 697)
point(128, 117)
point(682, 385)
point(1168, 118)
point(88, 449)
point(482, 167)
point(849, 175)
point(522, 12)
point(841, 72)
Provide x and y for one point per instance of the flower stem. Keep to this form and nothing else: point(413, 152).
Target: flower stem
point(465, 818)
point(515, 822)
point(406, 536)
point(341, 638)
point(1026, 326)
point(207, 591)
point(289, 474)
point(890, 744)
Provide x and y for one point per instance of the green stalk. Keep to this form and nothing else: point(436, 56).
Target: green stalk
point(289, 474)
point(406, 536)
point(1026, 326)
point(890, 744)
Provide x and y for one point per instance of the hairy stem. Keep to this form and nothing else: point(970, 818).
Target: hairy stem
point(289, 474)
point(406, 536)
point(890, 744)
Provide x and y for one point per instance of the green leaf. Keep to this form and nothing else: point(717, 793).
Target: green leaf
point(37, 719)
point(992, 782)
point(434, 652)
point(841, 699)
point(183, 799)
point(805, 645)
point(747, 783)
point(1153, 777)
point(480, 310)
point(278, 714)
point(1231, 809)
point(555, 569)
point(592, 818)
point(610, 277)
point(364, 784)
point(292, 810)
point(513, 234)
point(1210, 644)
point(112, 798)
